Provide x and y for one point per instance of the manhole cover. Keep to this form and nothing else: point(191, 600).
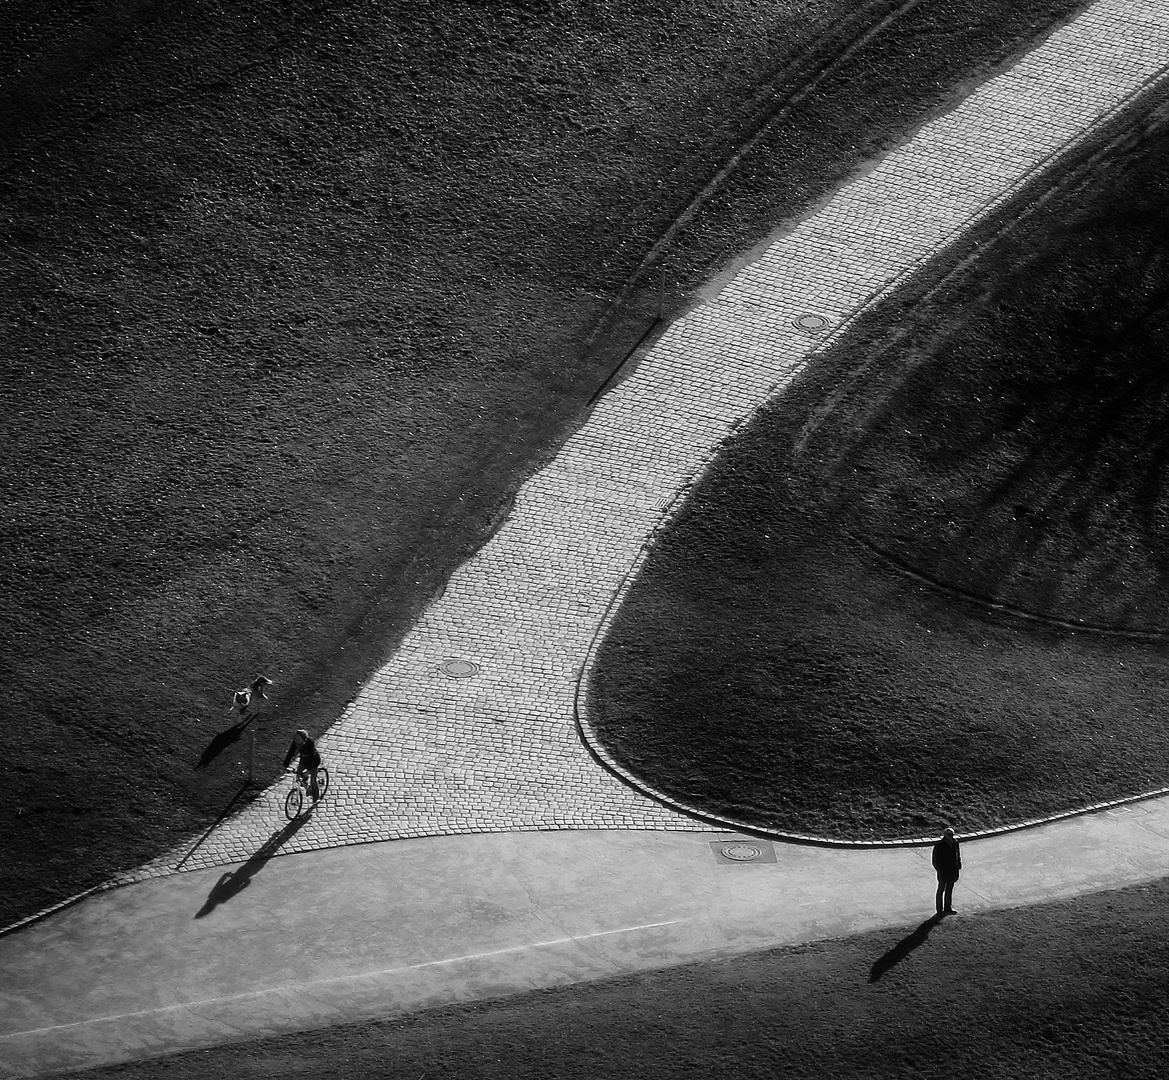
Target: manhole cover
point(458, 669)
point(743, 851)
point(812, 323)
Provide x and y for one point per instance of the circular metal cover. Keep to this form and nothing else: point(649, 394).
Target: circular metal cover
point(458, 669)
point(811, 323)
point(741, 852)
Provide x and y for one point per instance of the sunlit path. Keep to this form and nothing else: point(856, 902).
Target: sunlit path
point(470, 726)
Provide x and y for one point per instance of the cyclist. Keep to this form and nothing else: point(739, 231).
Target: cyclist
point(308, 763)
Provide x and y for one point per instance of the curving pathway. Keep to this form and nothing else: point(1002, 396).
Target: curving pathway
point(489, 744)
point(424, 751)
point(378, 930)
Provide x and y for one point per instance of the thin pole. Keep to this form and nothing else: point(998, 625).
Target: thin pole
point(252, 754)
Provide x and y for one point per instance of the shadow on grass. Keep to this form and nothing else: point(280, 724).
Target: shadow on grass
point(235, 881)
point(211, 828)
point(904, 947)
point(221, 742)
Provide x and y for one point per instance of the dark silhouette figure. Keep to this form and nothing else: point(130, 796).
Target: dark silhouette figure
point(947, 860)
point(234, 882)
point(221, 742)
point(903, 948)
point(309, 761)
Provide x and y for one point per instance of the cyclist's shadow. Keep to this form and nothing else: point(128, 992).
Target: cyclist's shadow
point(235, 881)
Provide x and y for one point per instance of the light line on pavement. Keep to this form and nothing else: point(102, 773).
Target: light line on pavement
point(306, 984)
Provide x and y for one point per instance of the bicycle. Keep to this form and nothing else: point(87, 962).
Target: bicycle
point(294, 800)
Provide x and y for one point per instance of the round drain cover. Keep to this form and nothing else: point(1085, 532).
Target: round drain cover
point(741, 852)
point(812, 323)
point(458, 669)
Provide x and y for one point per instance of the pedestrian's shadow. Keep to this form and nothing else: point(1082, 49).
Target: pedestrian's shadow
point(903, 948)
point(221, 742)
point(235, 881)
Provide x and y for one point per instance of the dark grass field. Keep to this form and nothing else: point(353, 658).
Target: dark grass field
point(928, 583)
point(295, 295)
point(1075, 989)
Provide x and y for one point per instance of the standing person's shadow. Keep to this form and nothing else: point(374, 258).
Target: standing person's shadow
point(235, 881)
point(904, 947)
point(222, 741)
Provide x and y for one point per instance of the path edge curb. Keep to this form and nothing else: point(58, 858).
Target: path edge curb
point(60, 905)
point(581, 705)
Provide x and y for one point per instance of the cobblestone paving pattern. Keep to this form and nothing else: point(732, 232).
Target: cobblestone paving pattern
point(421, 753)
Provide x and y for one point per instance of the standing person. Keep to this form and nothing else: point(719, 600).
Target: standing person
point(246, 704)
point(250, 700)
point(239, 705)
point(309, 762)
point(257, 687)
point(947, 860)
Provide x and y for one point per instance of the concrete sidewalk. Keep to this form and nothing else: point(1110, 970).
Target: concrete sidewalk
point(339, 935)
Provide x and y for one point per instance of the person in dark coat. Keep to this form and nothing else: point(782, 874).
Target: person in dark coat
point(309, 760)
point(947, 860)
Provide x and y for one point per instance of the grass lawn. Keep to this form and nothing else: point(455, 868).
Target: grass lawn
point(295, 295)
point(929, 583)
point(1074, 989)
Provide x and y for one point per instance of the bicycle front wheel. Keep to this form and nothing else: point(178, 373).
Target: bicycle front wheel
point(322, 782)
point(293, 802)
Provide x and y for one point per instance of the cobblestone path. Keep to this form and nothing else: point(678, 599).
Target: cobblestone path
point(421, 751)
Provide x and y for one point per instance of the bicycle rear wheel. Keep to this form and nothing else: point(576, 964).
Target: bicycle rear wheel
point(322, 782)
point(293, 802)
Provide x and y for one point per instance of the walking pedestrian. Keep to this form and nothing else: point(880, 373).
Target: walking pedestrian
point(947, 860)
point(247, 702)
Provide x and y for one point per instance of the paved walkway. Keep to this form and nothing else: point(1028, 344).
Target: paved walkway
point(379, 929)
point(422, 753)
